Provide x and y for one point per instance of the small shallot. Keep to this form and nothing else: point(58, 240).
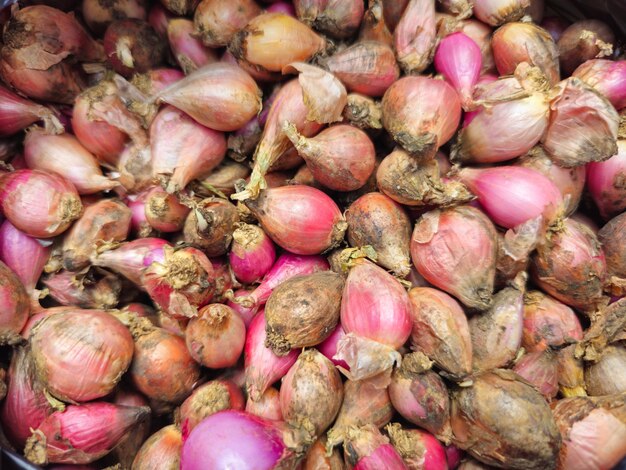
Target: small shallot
point(419, 449)
point(132, 46)
point(366, 448)
point(415, 36)
point(161, 450)
point(606, 376)
point(540, 369)
point(252, 253)
point(606, 182)
point(608, 77)
point(337, 18)
point(189, 52)
point(268, 406)
point(582, 41)
point(210, 225)
point(611, 237)
point(163, 211)
point(497, 12)
point(217, 21)
point(17, 113)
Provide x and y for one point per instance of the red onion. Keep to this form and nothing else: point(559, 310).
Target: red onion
point(164, 212)
point(25, 405)
point(262, 366)
point(132, 46)
point(215, 338)
point(311, 393)
point(300, 219)
point(455, 250)
point(454, 456)
point(183, 148)
point(17, 113)
point(208, 399)
point(420, 395)
point(237, 440)
point(217, 21)
point(366, 67)
point(608, 77)
point(268, 406)
point(577, 105)
point(162, 368)
point(459, 60)
point(540, 369)
point(605, 182)
point(210, 225)
point(181, 282)
point(366, 448)
point(106, 221)
point(421, 113)
point(512, 195)
point(341, 157)
point(252, 253)
point(593, 431)
point(376, 315)
point(491, 420)
point(440, 331)
point(548, 323)
point(582, 41)
point(161, 450)
point(272, 41)
point(338, 18)
point(219, 96)
point(81, 356)
point(82, 434)
point(570, 266)
point(515, 43)
point(86, 291)
point(419, 450)
point(98, 15)
point(415, 36)
point(24, 255)
point(497, 12)
point(189, 52)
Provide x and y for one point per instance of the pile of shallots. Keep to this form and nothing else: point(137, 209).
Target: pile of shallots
point(319, 234)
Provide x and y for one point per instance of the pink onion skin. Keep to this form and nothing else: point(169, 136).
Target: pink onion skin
point(82, 434)
point(300, 219)
point(158, 17)
point(607, 76)
point(329, 346)
point(555, 25)
point(481, 34)
point(605, 182)
point(262, 366)
point(540, 369)
point(80, 356)
point(217, 21)
point(188, 51)
point(157, 80)
point(25, 405)
point(183, 148)
point(24, 255)
point(17, 113)
point(367, 449)
point(164, 212)
point(15, 306)
point(458, 58)
point(22, 194)
point(252, 253)
point(268, 406)
point(234, 439)
point(453, 456)
point(282, 7)
point(513, 195)
point(419, 449)
point(128, 447)
point(497, 12)
point(246, 312)
point(414, 37)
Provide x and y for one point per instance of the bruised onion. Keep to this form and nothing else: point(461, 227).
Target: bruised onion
point(337, 18)
point(502, 421)
point(132, 46)
point(582, 41)
point(497, 12)
point(455, 250)
point(215, 338)
point(161, 450)
point(252, 253)
point(606, 376)
point(415, 36)
point(419, 449)
point(189, 52)
point(217, 21)
point(608, 77)
point(311, 393)
point(440, 330)
point(571, 266)
point(540, 369)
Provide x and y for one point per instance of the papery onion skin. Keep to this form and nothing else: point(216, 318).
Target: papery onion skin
point(156, 80)
point(22, 193)
point(17, 113)
point(98, 15)
point(497, 12)
point(608, 77)
point(606, 376)
point(611, 237)
point(447, 256)
point(215, 338)
point(606, 182)
point(210, 225)
point(540, 369)
point(419, 449)
point(128, 447)
point(415, 36)
point(161, 450)
point(571, 266)
point(217, 21)
point(300, 219)
point(481, 34)
point(82, 434)
point(366, 448)
point(491, 420)
point(86, 291)
point(267, 406)
point(15, 306)
point(164, 212)
point(132, 46)
point(570, 371)
point(252, 253)
point(337, 18)
point(81, 356)
point(318, 459)
point(189, 52)
point(582, 41)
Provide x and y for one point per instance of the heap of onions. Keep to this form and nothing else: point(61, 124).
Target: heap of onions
point(312, 234)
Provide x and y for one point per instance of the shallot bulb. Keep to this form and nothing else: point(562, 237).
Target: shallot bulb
point(262, 366)
point(582, 41)
point(375, 313)
point(419, 449)
point(440, 331)
point(210, 225)
point(363, 403)
point(367, 449)
point(366, 67)
point(608, 77)
point(189, 52)
point(481, 34)
point(329, 346)
point(163, 211)
point(415, 36)
point(180, 7)
point(455, 250)
point(156, 80)
point(82, 434)
point(268, 406)
point(158, 17)
point(128, 447)
point(300, 219)
point(132, 46)
point(161, 450)
point(377, 220)
point(252, 253)
point(40, 204)
point(611, 238)
point(106, 221)
point(605, 182)
point(606, 376)
point(17, 113)
point(318, 458)
point(458, 58)
point(497, 12)
point(86, 291)
point(303, 311)
point(98, 15)
point(540, 369)
point(577, 105)
point(311, 393)
point(570, 266)
point(490, 420)
point(512, 195)
point(342, 157)
point(215, 338)
point(421, 113)
point(217, 21)
point(337, 18)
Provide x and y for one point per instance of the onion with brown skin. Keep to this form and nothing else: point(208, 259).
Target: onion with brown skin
point(338, 18)
point(210, 225)
point(373, 26)
point(217, 21)
point(582, 41)
point(303, 311)
point(99, 14)
point(318, 459)
point(161, 450)
point(15, 306)
point(607, 376)
point(570, 372)
point(611, 237)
